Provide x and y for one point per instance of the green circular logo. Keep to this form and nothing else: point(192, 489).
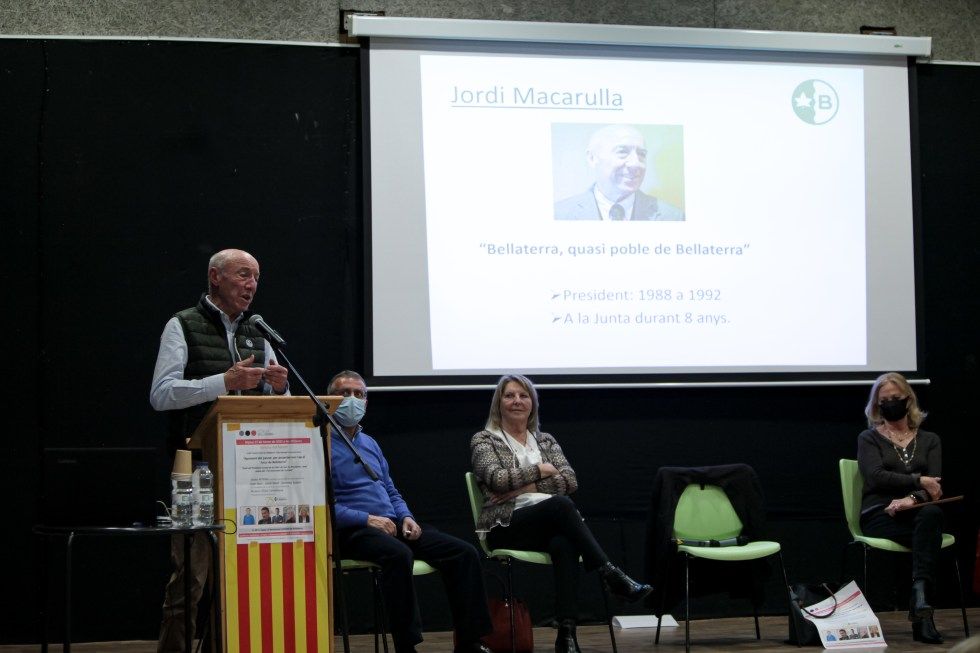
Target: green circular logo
point(815, 102)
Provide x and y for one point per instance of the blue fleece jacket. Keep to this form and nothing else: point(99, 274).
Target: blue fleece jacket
point(357, 495)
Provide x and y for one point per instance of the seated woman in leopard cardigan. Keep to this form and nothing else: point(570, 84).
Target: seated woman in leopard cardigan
point(526, 480)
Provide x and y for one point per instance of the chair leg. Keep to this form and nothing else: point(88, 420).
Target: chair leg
point(865, 588)
point(959, 588)
point(663, 597)
point(605, 603)
point(792, 621)
point(510, 605)
point(375, 597)
point(755, 614)
point(687, 603)
point(344, 625)
point(380, 614)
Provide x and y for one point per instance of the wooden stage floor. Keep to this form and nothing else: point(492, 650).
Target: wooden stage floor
point(707, 636)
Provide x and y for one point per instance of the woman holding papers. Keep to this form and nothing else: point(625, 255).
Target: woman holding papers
point(526, 480)
point(901, 466)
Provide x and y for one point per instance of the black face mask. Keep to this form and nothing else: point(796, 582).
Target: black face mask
point(894, 409)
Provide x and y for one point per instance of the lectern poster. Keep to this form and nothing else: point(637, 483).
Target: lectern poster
point(275, 473)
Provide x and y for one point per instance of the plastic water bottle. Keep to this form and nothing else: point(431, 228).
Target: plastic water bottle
point(203, 495)
point(182, 500)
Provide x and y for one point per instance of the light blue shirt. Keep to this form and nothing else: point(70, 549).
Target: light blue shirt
point(170, 390)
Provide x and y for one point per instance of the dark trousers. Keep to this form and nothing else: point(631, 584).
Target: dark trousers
point(920, 529)
point(458, 564)
point(556, 527)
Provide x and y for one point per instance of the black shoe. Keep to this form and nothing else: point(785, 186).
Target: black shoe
point(566, 642)
point(924, 630)
point(473, 647)
point(621, 585)
point(402, 645)
point(919, 608)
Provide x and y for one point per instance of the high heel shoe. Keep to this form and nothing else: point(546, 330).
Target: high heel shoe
point(919, 607)
point(567, 642)
point(621, 585)
point(924, 630)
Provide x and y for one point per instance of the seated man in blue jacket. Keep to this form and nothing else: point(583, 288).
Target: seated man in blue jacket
point(375, 524)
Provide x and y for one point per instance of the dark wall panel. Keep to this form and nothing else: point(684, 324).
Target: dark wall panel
point(21, 102)
point(158, 154)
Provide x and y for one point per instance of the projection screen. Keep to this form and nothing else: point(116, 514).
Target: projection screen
point(602, 212)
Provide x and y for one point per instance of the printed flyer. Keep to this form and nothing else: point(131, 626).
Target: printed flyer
point(276, 472)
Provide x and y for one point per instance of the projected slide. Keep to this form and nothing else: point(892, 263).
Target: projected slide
point(602, 213)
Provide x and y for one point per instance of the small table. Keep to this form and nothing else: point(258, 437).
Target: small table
point(71, 532)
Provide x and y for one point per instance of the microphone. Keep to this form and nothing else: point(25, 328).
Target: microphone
point(266, 330)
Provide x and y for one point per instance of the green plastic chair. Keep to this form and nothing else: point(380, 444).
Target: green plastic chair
point(507, 557)
point(704, 513)
point(419, 568)
point(851, 486)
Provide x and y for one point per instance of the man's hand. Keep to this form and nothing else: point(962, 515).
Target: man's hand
point(275, 375)
point(242, 376)
point(410, 529)
point(383, 524)
point(931, 485)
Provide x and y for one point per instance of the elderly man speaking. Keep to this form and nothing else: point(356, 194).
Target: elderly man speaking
point(617, 155)
point(206, 351)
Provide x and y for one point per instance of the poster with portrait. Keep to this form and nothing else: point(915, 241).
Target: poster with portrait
point(277, 467)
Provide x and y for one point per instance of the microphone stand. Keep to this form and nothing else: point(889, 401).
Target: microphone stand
point(322, 419)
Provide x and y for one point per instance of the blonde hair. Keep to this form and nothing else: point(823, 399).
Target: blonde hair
point(493, 421)
point(915, 415)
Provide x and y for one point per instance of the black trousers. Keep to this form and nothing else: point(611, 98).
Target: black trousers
point(554, 526)
point(459, 567)
point(920, 529)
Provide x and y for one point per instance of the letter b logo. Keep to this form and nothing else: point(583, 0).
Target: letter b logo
point(815, 102)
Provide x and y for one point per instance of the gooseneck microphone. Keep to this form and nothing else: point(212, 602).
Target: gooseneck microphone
point(266, 330)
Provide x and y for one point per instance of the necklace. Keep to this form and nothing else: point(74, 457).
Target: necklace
point(903, 453)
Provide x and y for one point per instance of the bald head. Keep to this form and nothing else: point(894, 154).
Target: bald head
point(233, 278)
point(618, 156)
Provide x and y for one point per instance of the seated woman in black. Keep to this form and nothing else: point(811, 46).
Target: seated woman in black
point(526, 479)
point(901, 468)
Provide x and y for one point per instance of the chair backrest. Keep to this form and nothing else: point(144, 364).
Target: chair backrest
point(705, 513)
point(476, 504)
point(851, 486)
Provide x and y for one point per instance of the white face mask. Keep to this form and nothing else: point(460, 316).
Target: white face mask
point(350, 412)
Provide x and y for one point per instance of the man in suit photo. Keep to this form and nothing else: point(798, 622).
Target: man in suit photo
point(617, 155)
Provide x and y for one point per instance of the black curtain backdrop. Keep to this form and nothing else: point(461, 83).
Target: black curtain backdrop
point(127, 163)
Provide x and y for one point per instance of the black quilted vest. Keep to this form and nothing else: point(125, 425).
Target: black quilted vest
point(208, 354)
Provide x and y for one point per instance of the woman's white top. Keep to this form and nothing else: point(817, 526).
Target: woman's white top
point(524, 454)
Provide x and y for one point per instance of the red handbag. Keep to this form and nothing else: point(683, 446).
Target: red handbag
point(499, 640)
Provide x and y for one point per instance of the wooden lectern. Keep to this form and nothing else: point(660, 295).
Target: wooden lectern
point(269, 473)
